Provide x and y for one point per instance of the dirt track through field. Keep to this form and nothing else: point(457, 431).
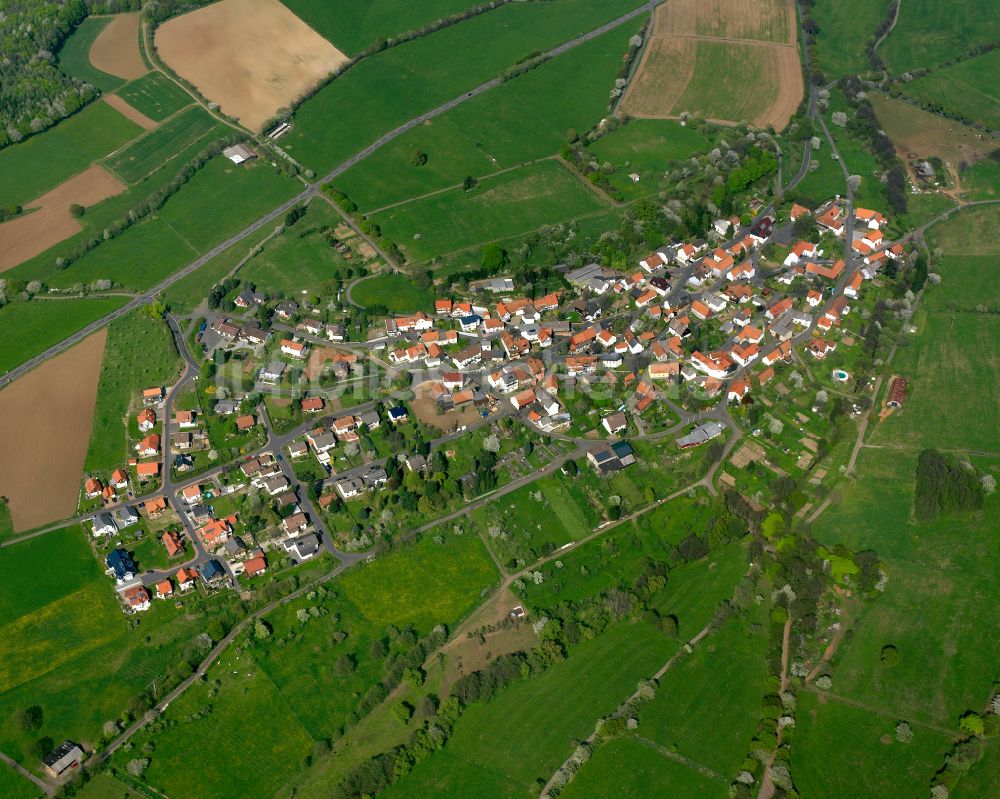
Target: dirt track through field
point(252, 57)
point(756, 34)
point(116, 48)
point(26, 236)
point(128, 111)
point(45, 421)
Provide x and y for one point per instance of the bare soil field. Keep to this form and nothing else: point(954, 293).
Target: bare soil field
point(128, 111)
point(116, 48)
point(714, 62)
point(424, 407)
point(26, 236)
point(919, 134)
point(763, 20)
point(45, 420)
point(252, 57)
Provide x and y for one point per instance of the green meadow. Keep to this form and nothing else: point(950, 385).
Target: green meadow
point(78, 658)
point(499, 207)
point(296, 680)
point(840, 750)
point(145, 255)
point(395, 291)
point(630, 768)
point(844, 29)
point(500, 748)
point(155, 95)
point(646, 147)
point(929, 33)
point(398, 84)
point(29, 328)
point(353, 26)
point(74, 55)
point(42, 162)
point(125, 371)
point(300, 259)
point(520, 120)
point(969, 87)
point(954, 345)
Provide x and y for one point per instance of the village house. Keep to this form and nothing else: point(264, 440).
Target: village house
point(146, 420)
point(254, 566)
point(147, 471)
point(294, 349)
point(136, 599)
point(153, 396)
point(186, 578)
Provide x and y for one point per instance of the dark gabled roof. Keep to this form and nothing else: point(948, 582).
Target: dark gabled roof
point(120, 562)
point(211, 570)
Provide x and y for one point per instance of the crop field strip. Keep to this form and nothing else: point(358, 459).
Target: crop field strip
point(74, 56)
point(725, 66)
point(158, 147)
point(42, 162)
point(155, 95)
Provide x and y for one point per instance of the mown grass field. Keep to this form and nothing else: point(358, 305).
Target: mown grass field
point(74, 55)
point(128, 367)
point(29, 328)
point(153, 150)
point(145, 255)
point(929, 33)
point(396, 85)
point(499, 749)
point(42, 162)
point(954, 345)
point(627, 768)
point(354, 26)
point(970, 87)
point(155, 95)
point(501, 206)
point(840, 750)
point(520, 120)
point(395, 291)
point(844, 29)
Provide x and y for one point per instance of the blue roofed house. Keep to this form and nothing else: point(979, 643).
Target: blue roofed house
point(120, 562)
point(212, 570)
point(398, 414)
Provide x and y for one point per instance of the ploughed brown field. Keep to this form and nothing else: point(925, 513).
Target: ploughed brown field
point(26, 236)
point(116, 48)
point(252, 57)
point(45, 420)
point(726, 60)
point(129, 112)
